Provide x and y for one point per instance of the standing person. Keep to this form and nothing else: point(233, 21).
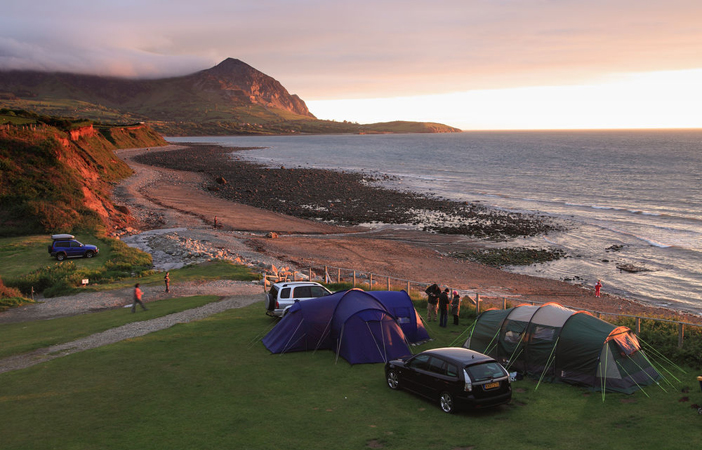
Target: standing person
point(444, 302)
point(455, 307)
point(137, 298)
point(598, 286)
point(433, 292)
point(167, 280)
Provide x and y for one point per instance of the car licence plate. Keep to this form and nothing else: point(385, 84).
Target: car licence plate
point(491, 385)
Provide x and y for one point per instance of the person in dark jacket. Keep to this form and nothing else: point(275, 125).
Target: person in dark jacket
point(444, 303)
point(432, 292)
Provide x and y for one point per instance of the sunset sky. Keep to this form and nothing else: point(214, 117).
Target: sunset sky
point(490, 64)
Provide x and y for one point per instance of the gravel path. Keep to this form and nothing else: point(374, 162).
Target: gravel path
point(235, 295)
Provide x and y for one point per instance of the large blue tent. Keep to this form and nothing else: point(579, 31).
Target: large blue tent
point(355, 324)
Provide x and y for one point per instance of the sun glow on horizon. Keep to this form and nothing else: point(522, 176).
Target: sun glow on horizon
point(666, 99)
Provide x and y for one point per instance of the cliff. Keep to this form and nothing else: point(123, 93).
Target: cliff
point(58, 180)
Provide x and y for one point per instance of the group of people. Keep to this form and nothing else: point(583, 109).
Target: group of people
point(438, 300)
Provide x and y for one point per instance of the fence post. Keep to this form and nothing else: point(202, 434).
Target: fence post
point(504, 303)
point(370, 281)
point(338, 275)
point(388, 283)
point(310, 274)
point(638, 326)
point(477, 303)
point(681, 334)
point(408, 288)
point(354, 278)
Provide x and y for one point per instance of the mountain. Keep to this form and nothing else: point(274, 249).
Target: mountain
point(229, 98)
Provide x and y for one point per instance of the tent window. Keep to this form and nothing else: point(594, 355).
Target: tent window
point(544, 333)
point(627, 343)
point(512, 337)
point(285, 293)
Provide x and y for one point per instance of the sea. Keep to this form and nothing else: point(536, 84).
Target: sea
point(632, 200)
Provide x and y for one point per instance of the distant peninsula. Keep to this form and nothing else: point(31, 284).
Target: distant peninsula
point(228, 99)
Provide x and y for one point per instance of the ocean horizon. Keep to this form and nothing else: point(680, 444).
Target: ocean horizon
point(631, 199)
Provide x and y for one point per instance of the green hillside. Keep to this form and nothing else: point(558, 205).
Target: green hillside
point(56, 173)
point(230, 98)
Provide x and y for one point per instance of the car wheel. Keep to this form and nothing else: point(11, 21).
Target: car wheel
point(446, 403)
point(393, 380)
point(60, 256)
point(89, 254)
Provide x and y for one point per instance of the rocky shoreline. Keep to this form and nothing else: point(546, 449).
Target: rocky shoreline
point(343, 198)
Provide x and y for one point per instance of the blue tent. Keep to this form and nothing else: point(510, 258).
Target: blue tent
point(355, 324)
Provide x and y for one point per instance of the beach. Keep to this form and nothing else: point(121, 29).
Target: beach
point(209, 188)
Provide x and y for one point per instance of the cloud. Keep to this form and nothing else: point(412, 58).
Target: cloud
point(323, 50)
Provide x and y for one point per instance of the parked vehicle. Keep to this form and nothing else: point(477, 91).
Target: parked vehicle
point(454, 376)
point(283, 295)
point(65, 246)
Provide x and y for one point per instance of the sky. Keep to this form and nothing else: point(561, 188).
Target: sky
point(471, 64)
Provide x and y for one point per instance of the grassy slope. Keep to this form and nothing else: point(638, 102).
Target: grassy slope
point(212, 384)
point(45, 174)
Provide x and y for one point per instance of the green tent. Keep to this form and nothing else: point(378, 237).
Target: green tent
point(559, 344)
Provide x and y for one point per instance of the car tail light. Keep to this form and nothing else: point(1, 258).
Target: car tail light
point(277, 305)
point(468, 387)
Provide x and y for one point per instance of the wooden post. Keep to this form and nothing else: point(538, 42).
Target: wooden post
point(388, 283)
point(638, 326)
point(338, 275)
point(477, 304)
point(504, 303)
point(681, 334)
point(370, 281)
point(310, 274)
point(354, 278)
point(408, 288)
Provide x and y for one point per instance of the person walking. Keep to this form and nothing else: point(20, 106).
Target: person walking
point(432, 292)
point(455, 307)
point(598, 286)
point(444, 303)
point(167, 280)
point(137, 298)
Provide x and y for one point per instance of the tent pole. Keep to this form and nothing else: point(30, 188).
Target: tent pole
point(549, 361)
point(338, 344)
point(324, 334)
point(637, 384)
point(285, 348)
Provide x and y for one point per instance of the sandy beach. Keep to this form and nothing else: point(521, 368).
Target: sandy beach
point(160, 197)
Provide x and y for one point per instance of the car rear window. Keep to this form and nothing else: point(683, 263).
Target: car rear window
point(285, 293)
point(485, 371)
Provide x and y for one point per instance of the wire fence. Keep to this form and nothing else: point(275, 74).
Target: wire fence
point(479, 301)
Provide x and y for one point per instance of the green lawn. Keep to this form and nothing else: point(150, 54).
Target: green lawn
point(212, 384)
point(21, 255)
point(24, 337)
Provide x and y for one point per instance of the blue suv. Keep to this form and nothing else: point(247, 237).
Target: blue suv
point(65, 246)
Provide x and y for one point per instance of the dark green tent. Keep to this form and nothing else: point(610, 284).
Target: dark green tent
point(560, 344)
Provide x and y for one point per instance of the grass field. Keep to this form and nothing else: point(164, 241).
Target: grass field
point(212, 384)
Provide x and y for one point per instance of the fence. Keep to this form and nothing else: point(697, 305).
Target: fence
point(360, 279)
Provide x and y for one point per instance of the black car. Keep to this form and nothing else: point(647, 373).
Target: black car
point(455, 377)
